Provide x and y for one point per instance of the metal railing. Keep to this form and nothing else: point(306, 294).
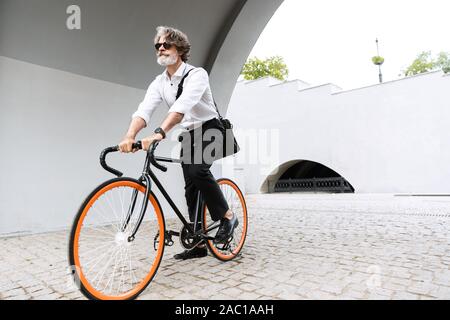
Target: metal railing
point(313, 185)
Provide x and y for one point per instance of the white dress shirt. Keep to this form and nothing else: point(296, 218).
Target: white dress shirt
point(196, 101)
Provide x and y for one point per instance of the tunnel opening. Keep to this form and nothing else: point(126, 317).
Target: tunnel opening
point(310, 176)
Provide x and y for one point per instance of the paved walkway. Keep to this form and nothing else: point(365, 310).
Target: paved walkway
point(299, 246)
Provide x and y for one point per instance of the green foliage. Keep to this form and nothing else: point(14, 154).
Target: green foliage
point(256, 68)
point(425, 63)
point(443, 61)
point(377, 60)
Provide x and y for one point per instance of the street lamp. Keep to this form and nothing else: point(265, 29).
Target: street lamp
point(378, 61)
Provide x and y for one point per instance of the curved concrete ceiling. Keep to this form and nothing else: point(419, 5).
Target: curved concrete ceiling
point(115, 42)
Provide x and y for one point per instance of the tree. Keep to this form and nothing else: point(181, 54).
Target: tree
point(256, 68)
point(443, 61)
point(425, 63)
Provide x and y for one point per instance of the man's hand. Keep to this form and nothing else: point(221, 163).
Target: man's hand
point(126, 145)
point(136, 125)
point(146, 142)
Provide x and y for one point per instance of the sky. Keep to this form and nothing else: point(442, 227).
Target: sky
point(325, 41)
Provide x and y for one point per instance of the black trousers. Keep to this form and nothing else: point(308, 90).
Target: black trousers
point(197, 175)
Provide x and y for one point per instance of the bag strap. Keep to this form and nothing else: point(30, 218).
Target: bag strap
point(180, 91)
point(217, 109)
point(180, 85)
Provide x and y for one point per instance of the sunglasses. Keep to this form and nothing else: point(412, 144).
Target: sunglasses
point(166, 45)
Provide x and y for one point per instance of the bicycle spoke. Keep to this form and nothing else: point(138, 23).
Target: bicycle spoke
point(98, 237)
point(100, 226)
point(101, 247)
point(111, 278)
point(122, 272)
point(122, 220)
point(101, 212)
point(131, 267)
point(113, 210)
point(105, 267)
point(97, 260)
point(111, 265)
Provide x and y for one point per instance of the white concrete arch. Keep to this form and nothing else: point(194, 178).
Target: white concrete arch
point(65, 94)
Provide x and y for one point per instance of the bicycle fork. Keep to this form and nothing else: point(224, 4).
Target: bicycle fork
point(132, 207)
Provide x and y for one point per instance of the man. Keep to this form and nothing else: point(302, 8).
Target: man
point(194, 109)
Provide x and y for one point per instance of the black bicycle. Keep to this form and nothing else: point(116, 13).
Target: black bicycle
point(116, 248)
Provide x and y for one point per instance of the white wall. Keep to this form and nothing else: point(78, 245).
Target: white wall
point(54, 123)
point(53, 126)
point(391, 137)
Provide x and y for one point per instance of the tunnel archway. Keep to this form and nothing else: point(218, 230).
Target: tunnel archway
point(306, 176)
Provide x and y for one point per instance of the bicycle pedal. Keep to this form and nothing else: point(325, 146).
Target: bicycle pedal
point(168, 242)
point(225, 246)
point(171, 233)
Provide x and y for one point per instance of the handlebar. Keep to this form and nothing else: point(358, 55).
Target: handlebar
point(151, 152)
point(137, 145)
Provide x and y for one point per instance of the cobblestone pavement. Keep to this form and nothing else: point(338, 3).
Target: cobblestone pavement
point(299, 246)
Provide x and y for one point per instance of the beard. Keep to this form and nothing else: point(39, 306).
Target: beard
point(167, 60)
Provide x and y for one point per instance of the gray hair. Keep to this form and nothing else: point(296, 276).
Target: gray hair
point(175, 37)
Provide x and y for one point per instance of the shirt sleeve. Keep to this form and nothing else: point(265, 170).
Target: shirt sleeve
point(151, 100)
point(193, 89)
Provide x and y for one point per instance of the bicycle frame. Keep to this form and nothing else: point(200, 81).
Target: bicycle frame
point(148, 176)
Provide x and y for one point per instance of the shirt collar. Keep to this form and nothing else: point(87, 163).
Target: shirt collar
point(178, 73)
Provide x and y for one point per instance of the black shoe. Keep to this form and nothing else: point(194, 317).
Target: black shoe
point(226, 229)
point(191, 254)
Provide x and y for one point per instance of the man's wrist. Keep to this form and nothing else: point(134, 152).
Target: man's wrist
point(159, 136)
point(160, 131)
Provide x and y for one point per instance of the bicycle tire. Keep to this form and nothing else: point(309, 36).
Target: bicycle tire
point(239, 208)
point(81, 273)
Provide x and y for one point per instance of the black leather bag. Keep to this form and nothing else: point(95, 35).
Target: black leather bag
point(195, 142)
point(230, 145)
